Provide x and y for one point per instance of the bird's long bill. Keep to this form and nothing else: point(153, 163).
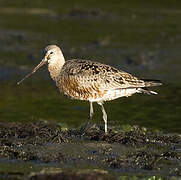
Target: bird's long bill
point(33, 71)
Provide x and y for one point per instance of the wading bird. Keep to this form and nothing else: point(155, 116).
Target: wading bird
point(91, 81)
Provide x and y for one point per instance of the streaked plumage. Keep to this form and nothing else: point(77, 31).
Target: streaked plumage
point(91, 81)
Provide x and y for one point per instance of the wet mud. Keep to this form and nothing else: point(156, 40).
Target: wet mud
point(75, 154)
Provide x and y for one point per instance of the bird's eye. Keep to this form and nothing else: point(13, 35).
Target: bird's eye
point(51, 52)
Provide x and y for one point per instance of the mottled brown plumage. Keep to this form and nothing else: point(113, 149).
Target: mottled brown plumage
point(91, 81)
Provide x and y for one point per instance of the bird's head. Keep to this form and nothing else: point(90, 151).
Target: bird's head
point(52, 54)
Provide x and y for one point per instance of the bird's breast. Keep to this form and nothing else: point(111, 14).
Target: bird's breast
point(82, 90)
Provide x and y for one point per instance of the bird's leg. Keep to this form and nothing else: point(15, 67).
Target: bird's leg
point(91, 113)
point(104, 116)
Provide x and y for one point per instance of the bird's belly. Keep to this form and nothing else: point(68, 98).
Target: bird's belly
point(114, 94)
point(77, 93)
point(74, 91)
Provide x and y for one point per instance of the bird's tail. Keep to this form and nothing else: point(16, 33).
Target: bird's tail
point(150, 82)
point(146, 91)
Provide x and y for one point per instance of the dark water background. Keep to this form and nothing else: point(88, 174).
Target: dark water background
point(140, 37)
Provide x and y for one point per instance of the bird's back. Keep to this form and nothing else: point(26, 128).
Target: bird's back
point(94, 81)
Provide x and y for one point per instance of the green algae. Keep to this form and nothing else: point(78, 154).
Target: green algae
point(43, 149)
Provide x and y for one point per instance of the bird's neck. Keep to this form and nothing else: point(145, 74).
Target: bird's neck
point(56, 67)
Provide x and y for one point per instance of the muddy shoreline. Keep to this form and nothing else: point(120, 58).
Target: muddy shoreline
point(93, 154)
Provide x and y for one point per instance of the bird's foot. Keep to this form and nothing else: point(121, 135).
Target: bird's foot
point(88, 127)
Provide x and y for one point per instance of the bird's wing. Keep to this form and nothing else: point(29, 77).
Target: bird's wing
point(88, 74)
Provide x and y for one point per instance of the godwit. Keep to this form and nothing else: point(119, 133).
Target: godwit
point(91, 81)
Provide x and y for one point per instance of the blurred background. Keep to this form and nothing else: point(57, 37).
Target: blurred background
point(140, 37)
